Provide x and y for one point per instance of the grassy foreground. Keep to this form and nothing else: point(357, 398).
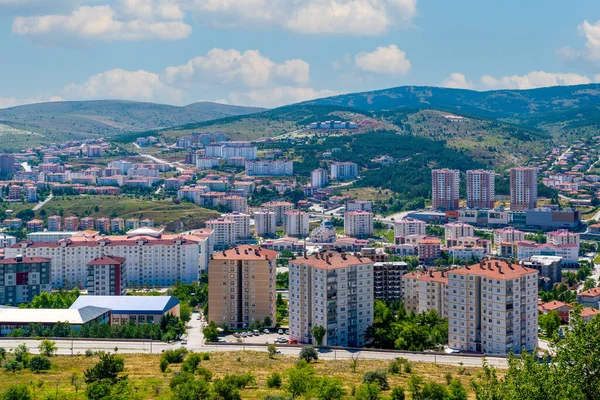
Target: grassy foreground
point(147, 380)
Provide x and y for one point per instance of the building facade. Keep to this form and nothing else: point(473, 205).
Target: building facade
point(425, 291)
point(480, 189)
point(523, 188)
point(343, 170)
point(409, 226)
point(23, 278)
point(296, 223)
point(107, 276)
point(265, 223)
point(358, 224)
point(445, 189)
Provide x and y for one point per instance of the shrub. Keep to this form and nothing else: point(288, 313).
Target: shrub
point(240, 381)
point(395, 366)
point(22, 354)
point(205, 356)
point(276, 397)
point(191, 363)
point(274, 380)
point(164, 364)
point(2, 353)
point(48, 348)
point(408, 367)
point(175, 356)
point(38, 363)
point(368, 391)
point(377, 376)
point(308, 354)
point(204, 374)
point(17, 392)
point(12, 366)
point(397, 393)
point(89, 353)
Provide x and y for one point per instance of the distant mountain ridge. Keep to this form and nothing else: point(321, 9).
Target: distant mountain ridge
point(112, 117)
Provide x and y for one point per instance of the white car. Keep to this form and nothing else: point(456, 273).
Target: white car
point(280, 331)
point(266, 331)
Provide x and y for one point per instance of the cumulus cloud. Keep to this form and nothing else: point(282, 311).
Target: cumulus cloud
point(532, 80)
point(278, 96)
point(332, 17)
point(388, 60)
point(122, 84)
point(249, 68)
point(591, 51)
point(456, 80)
point(134, 20)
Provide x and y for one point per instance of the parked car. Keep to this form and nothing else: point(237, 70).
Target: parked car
point(266, 331)
point(280, 331)
point(183, 342)
point(287, 331)
point(293, 341)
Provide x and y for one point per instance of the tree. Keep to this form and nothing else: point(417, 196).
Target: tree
point(308, 354)
point(48, 348)
point(191, 363)
point(17, 392)
point(299, 379)
point(415, 387)
point(38, 363)
point(22, 354)
point(107, 368)
point(12, 366)
point(318, 333)
point(330, 389)
point(210, 331)
point(434, 391)
point(397, 393)
point(76, 381)
point(368, 391)
point(549, 322)
point(226, 389)
point(272, 350)
point(274, 380)
point(268, 322)
point(377, 376)
point(354, 362)
point(457, 390)
point(2, 353)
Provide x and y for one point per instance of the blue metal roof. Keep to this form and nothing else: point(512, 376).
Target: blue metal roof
point(129, 304)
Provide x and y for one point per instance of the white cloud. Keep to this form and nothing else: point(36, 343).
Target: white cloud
point(456, 80)
point(591, 51)
point(249, 68)
point(532, 80)
point(6, 102)
point(335, 17)
point(278, 96)
point(122, 84)
point(156, 20)
point(388, 60)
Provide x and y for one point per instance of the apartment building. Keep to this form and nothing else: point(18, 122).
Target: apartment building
point(409, 226)
point(71, 223)
point(270, 168)
point(319, 178)
point(279, 208)
point(55, 223)
point(265, 223)
point(387, 281)
point(224, 232)
point(508, 235)
point(117, 224)
point(207, 162)
point(241, 227)
point(87, 223)
point(242, 286)
point(359, 205)
point(457, 230)
point(523, 188)
point(324, 233)
point(296, 223)
point(480, 189)
point(445, 185)
point(429, 249)
point(343, 170)
point(426, 291)
point(333, 290)
point(492, 308)
point(107, 276)
point(153, 258)
point(236, 203)
point(23, 278)
point(563, 236)
point(568, 252)
point(358, 224)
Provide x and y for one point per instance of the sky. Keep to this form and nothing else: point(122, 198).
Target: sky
point(274, 52)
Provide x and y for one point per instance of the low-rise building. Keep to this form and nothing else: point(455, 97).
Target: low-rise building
point(589, 298)
point(75, 318)
point(131, 309)
point(563, 309)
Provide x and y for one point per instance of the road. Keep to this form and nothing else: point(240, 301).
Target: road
point(42, 203)
point(160, 161)
point(26, 166)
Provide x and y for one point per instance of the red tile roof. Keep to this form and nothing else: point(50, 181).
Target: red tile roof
point(245, 252)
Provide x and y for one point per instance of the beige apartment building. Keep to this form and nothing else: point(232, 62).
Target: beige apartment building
point(242, 286)
point(426, 291)
point(492, 308)
point(358, 224)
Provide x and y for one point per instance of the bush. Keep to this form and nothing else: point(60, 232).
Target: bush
point(308, 354)
point(47, 348)
point(89, 353)
point(38, 363)
point(17, 392)
point(395, 366)
point(22, 354)
point(240, 381)
point(368, 391)
point(379, 377)
point(164, 364)
point(397, 393)
point(175, 356)
point(12, 366)
point(191, 363)
point(274, 380)
point(204, 374)
point(408, 367)
point(205, 356)
point(2, 353)
point(276, 397)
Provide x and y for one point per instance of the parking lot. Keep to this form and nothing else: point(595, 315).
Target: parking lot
point(261, 339)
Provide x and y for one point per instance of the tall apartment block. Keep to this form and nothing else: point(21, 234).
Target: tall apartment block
point(296, 223)
point(358, 224)
point(242, 286)
point(480, 189)
point(492, 308)
point(387, 282)
point(426, 291)
point(54, 223)
point(319, 178)
point(265, 223)
point(23, 278)
point(409, 226)
point(7, 165)
point(445, 189)
point(71, 224)
point(278, 207)
point(333, 290)
point(508, 235)
point(242, 225)
point(106, 276)
point(456, 230)
point(224, 232)
point(523, 188)
point(343, 170)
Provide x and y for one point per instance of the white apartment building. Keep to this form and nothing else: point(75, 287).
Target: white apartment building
point(445, 185)
point(324, 233)
point(7, 240)
point(270, 168)
point(193, 193)
point(279, 208)
point(265, 223)
point(207, 162)
point(359, 205)
point(425, 291)
point(153, 258)
point(508, 235)
point(122, 165)
point(492, 308)
point(480, 189)
point(333, 290)
point(242, 225)
point(343, 170)
point(457, 230)
point(563, 236)
point(236, 203)
point(224, 232)
point(409, 226)
point(358, 224)
point(319, 178)
point(239, 149)
point(295, 223)
point(568, 252)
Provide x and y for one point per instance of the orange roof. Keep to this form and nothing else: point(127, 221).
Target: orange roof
point(429, 276)
point(496, 269)
point(593, 292)
point(555, 305)
point(589, 312)
point(245, 252)
point(332, 260)
point(107, 260)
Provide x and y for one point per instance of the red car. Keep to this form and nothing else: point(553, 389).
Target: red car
point(292, 341)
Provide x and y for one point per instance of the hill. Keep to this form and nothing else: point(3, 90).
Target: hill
point(79, 119)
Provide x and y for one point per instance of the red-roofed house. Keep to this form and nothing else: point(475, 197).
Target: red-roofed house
point(563, 309)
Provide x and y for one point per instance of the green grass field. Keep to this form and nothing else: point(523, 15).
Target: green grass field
point(147, 380)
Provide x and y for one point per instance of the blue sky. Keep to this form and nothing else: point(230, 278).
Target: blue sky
point(274, 52)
